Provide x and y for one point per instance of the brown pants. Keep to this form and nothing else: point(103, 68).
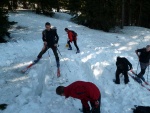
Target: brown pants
point(54, 49)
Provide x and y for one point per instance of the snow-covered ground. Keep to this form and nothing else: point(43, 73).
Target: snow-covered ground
point(34, 92)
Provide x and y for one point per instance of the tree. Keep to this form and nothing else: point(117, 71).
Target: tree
point(99, 14)
point(4, 24)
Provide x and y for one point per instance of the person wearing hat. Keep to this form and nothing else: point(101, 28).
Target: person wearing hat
point(72, 36)
point(123, 66)
point(144, 57)
point(85, 91)
point(50, 39)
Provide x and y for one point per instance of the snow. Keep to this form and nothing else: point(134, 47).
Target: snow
point(34, 91)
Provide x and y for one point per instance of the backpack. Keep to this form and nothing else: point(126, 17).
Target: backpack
point(74, 33)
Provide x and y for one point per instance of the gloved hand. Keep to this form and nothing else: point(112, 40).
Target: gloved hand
point(86, 110)
point(45, 43)
point(96, 104)
point(131, 68)
point(55, 45)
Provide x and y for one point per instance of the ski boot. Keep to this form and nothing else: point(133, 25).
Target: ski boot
point(36, 60)
point(78, 51)
point(70, 48)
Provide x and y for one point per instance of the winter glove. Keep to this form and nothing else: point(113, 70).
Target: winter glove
point(88, 111)
point(55, 45)
point(85, 110)
point(96, 104)
point(131, 68)
point(45, 43)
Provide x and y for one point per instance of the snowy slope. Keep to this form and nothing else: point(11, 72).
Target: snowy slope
point(34, 92)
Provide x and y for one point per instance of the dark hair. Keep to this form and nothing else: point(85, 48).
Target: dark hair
point(60, 90)
point(47, 23)
point(66, 29)
point(118, 58)
point(147, 46)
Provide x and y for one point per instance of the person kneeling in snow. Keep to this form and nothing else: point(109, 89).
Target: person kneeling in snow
point(85, 91)
point(123, 66)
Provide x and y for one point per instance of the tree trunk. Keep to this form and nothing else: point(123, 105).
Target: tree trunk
point(10, 5)
point(58, 7)
point(24, 5)
point(15, 4)
point(140, 13)
point(130, 13)
point(122, 20)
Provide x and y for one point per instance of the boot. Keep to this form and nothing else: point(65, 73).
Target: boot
point(138, 80)
point(70, 48)
point(35, 61)
point(116, 81)
point(143, 78)
point(78, 51)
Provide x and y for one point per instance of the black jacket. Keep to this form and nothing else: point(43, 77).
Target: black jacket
point(123, 64)
point(50, 37)
point(144, 55)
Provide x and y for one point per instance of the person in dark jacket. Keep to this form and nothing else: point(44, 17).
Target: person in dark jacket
point(72, 36)
point(144, 57)
point(123, 66)
point(50, 39)
point(85, 91)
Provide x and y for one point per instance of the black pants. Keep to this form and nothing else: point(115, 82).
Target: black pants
point(54, 49)
point(75, 44)
point(125, 73)
point(94, 110)
point(143, 68)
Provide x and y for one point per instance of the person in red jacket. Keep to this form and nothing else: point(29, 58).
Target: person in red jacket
point(85, 91)
point(72, 36)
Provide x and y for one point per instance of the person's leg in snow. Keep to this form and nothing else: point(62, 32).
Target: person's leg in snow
point(56, 56)
point(70, 48)
point(118, 72)
point(44, 49)
point(143, 68)
point(57, 60)
point(126, 78)
point(75, 44)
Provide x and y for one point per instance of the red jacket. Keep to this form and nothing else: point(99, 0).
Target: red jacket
point(85, 91)
point(71, 36)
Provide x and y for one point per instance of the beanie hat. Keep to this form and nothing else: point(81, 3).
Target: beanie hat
point(60, 90)
point(148, 46)
point(47, 23)
point(66, 29)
